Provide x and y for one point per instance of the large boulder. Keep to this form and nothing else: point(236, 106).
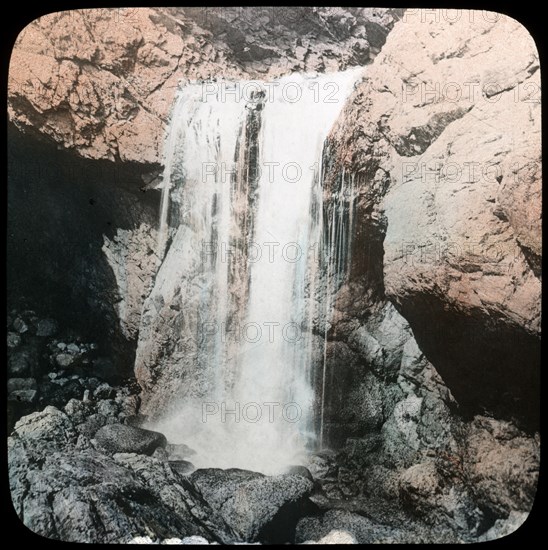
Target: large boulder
point(121, 438)
point(257, 507)
point(48, 429)
point(84, 496)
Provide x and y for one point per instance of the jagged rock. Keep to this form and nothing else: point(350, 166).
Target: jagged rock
point(84, 496)
point(46, 327)
point(104, 391)
point(364, 530)
point(120, 438)
point(299, 471)
point(49, 429)
point(502, 464)
point(254, 505)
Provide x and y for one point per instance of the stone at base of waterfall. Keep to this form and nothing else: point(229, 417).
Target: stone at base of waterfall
point(120, 438)
point(257, 507)
point(335, 537)
point(182, 466)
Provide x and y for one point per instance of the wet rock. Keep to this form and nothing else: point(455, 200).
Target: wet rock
point(322, 466)
point(13, 339)
point(46, 327)
point(257, 507)
point(120, 438)
point(62, 346)
point(137, 420)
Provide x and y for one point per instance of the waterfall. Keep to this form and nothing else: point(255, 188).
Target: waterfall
point(240, 236)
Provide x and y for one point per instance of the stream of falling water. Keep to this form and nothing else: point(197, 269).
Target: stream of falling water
point(243, 180)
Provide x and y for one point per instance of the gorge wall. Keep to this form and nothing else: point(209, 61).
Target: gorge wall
point(433, 357)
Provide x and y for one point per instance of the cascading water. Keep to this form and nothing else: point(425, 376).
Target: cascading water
point(242, 205)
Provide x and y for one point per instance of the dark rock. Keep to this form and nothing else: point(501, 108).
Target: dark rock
point(104, 391)
point(182, 466)
point(25, 396)
point(137, 420)
point(46, 327)
point(15, 384)
point(83, 496)
point(257, 507)
point(120, 438)
point(20, 363)
point(13, 339)
point(91, 425)
point(366, 530)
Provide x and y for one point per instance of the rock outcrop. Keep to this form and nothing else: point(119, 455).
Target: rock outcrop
point(444, 141)
point(101, 82)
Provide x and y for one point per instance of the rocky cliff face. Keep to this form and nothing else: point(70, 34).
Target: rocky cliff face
point(101, 82)
point(433, 354)
point(453, 132)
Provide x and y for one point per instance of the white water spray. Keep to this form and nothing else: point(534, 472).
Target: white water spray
point(257, 412)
